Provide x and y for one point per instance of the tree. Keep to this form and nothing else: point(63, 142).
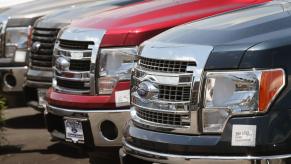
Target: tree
point(2, 107)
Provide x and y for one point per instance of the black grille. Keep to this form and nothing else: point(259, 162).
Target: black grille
point(165, 65)
point(79, 65)
point(42, 56)
point(163, 118)
point(75, 45)
point(72, 84)
point(174, 93)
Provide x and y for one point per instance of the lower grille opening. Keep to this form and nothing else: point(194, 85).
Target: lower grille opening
point(163, 118)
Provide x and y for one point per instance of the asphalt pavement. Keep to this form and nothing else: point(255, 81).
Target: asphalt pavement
point(28, 142)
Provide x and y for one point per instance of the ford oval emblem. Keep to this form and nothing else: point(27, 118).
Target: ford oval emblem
point(147, 90)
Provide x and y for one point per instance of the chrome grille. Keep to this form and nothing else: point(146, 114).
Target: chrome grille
point(164, 118)
point(76, 78)
point(170, 66)
point(170, 107)
point(174, 93)
point(41, 58)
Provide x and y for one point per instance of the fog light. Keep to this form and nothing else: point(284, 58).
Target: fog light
point(109, 130)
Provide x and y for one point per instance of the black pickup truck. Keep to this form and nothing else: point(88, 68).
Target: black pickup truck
point(214, 91)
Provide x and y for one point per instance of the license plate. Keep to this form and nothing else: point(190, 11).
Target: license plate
point(74, 130)
point(41, 96)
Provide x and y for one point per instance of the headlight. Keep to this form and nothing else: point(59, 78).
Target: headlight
point(238, 93)
point(115, 65)
point(16, 38)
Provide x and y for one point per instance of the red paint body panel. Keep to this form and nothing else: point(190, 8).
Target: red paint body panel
point(143, 20)
point(133, 24)
point(85, 102)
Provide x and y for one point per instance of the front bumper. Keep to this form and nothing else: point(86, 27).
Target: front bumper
point(39, 78)
point(158, 157)
point(92, 126)
point(13, 78)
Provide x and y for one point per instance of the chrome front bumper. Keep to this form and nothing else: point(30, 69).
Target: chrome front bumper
point(156, 157)
point(95, 117)
point(19, 73)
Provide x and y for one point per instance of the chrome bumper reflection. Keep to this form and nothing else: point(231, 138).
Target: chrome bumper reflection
point(157, 157)
point(96, 117)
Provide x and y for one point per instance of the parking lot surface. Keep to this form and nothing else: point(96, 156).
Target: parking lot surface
point(28, 142)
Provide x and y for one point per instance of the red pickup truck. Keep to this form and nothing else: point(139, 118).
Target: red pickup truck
point(89, 101)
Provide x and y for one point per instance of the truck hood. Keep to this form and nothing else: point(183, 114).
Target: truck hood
point(66, 16)
point(230, 34)
point(246, 26)
point(135, 23)
point(38, 8)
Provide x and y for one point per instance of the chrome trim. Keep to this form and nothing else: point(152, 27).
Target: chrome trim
point(38, 84)
point(162, 78)
point(171, 52)
point(68, 90)
point(10, 68)
point(71, 111)
point(192, 129)
point(118, 116)
point(72, 79)
point(82, 34)
point(68, 51)
point(162, 110)
point(192, 159)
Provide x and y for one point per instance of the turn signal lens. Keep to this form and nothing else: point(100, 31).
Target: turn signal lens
point(272, 81)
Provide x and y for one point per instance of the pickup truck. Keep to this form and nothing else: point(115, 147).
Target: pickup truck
point(44, 33)
point(89, 102)
point(15, 33)
point(214, 91)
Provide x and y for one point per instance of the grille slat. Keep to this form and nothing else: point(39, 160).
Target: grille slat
point(72, 84)
point(41, 57)
point(46, 37)
point(165, 65)
point(40, 63)
point(75, 45)
point(163, 118)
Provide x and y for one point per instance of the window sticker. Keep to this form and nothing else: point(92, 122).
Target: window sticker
point(244, 135)
point(122, 98)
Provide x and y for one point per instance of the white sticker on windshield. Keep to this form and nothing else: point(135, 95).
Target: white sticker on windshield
point(244, 135)
point(122, 98)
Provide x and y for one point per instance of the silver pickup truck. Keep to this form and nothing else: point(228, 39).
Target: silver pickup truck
point(15, 38)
